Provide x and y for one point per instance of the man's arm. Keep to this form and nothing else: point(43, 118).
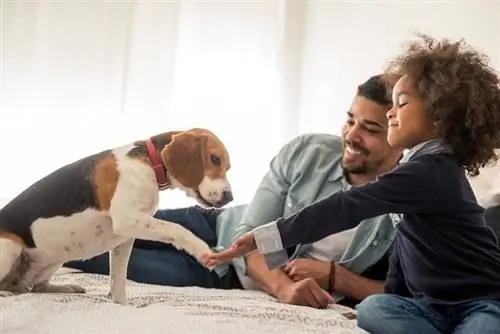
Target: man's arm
point(267, 205)
point(344, 281)
point(271, 281)
point(268, 202)
point(306, 292)
point(355, 286)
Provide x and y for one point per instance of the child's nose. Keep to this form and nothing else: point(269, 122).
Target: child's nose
point(390, 114)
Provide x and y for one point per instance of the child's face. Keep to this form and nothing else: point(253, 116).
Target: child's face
point(409, 123)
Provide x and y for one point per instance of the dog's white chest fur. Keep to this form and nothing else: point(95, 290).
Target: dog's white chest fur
point(80, 236)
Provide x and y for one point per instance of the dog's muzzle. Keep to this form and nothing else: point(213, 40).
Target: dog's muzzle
point(225, 198)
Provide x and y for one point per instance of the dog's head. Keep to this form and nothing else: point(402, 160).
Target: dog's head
point(196, 162)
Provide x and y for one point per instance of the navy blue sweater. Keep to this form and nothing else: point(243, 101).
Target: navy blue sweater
point(444, 253)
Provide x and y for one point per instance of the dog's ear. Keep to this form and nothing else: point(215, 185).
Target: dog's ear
point(184, 157)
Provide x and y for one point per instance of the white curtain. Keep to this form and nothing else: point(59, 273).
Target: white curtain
point(82, 76)
point(78, 76)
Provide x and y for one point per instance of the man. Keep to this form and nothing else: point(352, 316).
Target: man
point(305, 170)
point(312, 167)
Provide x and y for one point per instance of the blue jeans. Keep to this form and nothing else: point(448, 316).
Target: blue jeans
point(162, 264)
point(386, 313)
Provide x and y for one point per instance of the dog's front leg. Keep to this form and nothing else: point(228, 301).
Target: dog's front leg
point(118, 264)
point(143, 226)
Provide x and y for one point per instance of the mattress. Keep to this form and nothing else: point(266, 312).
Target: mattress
point(159, 309)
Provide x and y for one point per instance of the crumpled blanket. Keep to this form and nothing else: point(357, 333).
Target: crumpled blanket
point(159, 309)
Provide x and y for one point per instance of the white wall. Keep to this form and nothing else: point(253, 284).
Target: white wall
point(218, 63)
point(345, 44)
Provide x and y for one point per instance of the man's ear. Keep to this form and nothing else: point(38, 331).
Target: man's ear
point(183, 158)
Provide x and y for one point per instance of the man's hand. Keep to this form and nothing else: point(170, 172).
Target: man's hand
point(301, 269)
point(306, 292)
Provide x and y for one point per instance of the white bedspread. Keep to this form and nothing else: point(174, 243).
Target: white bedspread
point(156, 309)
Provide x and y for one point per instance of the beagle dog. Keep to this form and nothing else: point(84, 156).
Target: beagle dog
point(102, 203)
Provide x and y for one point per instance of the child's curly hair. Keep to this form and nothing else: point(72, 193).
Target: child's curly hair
point(460, 91)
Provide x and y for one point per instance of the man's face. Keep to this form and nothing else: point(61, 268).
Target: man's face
point(366, 149)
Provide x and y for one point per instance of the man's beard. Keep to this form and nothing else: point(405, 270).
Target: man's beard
point(361, 168)
point(355, 169)
point(366, 167)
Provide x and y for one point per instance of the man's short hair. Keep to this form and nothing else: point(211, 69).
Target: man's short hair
point(376, 90)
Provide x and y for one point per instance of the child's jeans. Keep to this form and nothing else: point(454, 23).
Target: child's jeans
point(387, 313)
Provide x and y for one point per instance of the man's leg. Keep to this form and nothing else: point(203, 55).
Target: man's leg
point(161, 267)
point(162, 264)
point(481, 317)
point(387, 313)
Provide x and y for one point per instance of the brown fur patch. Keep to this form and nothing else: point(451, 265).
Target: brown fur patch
point(214, 146)
point(105, 180)
point(12, 237)
point(188, 157)
point(183, 159)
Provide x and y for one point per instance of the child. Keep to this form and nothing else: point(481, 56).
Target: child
point(444, 274)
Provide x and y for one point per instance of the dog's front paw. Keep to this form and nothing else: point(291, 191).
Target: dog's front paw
point(204, 260)
point(200, 251)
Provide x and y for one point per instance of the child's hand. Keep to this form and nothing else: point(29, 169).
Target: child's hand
point(240, 247)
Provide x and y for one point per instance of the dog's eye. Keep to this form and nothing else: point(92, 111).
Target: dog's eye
point(215, 160)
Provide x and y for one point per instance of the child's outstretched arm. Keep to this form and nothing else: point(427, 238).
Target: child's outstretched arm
point(411, 187)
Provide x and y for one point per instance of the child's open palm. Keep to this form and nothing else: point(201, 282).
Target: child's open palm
point(240, 247)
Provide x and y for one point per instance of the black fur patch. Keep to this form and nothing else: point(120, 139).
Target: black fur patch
point(159, 141)
point(64, 192)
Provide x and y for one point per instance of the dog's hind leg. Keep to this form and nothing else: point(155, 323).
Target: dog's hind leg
point(118, 263)
point(10, 252)
point(41, 283)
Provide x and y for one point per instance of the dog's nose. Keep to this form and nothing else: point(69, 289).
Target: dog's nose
point(226, 197)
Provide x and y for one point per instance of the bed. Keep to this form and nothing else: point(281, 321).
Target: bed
point(157, 309)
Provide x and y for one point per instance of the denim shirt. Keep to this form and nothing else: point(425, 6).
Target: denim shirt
point(305, 170)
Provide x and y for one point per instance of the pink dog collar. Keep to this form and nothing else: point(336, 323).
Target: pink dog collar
point(161, 175)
